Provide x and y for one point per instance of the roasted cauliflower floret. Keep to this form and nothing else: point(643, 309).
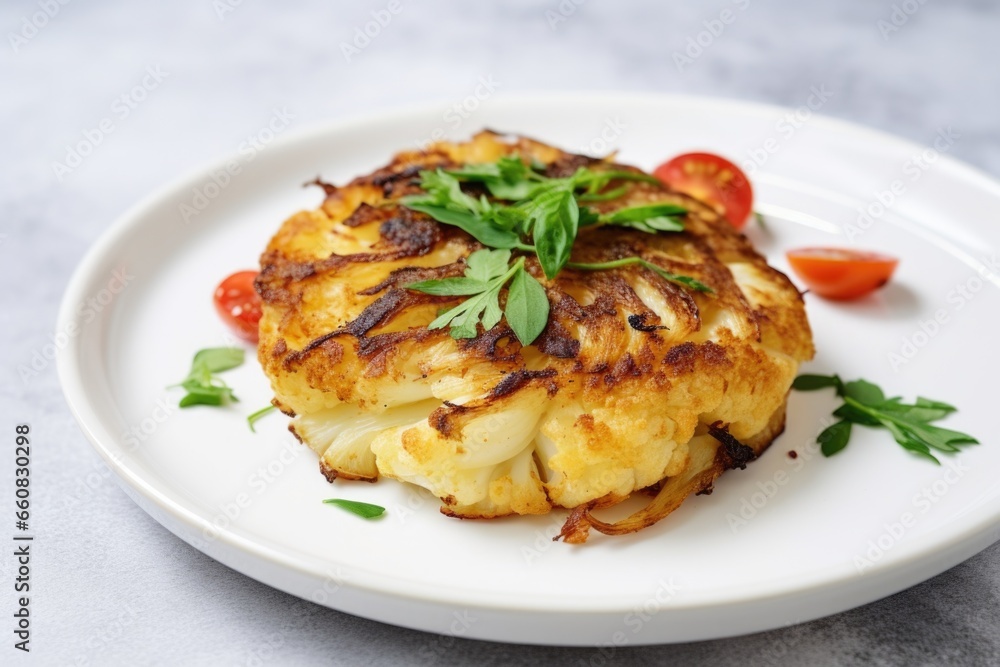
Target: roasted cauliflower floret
point(342, 436)
point(635, 383)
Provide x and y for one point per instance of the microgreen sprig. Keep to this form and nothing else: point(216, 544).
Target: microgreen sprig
point(488, 271)
point(202, 385)
point(865, 404)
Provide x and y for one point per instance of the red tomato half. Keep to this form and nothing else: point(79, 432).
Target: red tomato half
point(238, 304)
point(841, 273)
point(711, 179)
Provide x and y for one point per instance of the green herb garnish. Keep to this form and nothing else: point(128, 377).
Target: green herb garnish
point(252, 418)
point(527, 307)
point(202, 385)
point(865, 404)
point(364, 510)
point(544, 215)
point(530, 213)
point(649, 219)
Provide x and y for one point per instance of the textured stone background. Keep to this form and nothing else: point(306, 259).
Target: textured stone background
point(113, 587)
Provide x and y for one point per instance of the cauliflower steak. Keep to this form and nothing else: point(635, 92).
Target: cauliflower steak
point(635, 383)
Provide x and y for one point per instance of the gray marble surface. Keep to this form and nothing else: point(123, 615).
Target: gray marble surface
point(113, 587)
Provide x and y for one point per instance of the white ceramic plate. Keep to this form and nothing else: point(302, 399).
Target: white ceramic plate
point(785, 541)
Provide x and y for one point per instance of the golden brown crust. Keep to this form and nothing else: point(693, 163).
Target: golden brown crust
point(302, 259)
point(721, 453)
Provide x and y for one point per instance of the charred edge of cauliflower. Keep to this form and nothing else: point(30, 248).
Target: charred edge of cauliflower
point(712, 454)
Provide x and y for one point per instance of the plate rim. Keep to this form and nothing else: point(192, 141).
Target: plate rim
point(921, 550)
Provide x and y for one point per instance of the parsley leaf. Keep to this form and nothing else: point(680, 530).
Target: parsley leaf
point(651, 219)
point(488, 234)
point(864, 392)
point(201, 384)
point(443, 189)
point(218, 359)
point(527, 308)
point(808, 382)
point(484, 266)
point(834, 438)
point(485, 276)
point(614, 193)
point(595, 181)
point(555, 218)
point(363, 510)
point(507, 178)
point(206, 395)
point(865, 404)
point(488, 271)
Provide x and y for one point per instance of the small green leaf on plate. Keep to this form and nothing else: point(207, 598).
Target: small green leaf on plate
point(834, 438)
point(364, 510)
point(813, 382)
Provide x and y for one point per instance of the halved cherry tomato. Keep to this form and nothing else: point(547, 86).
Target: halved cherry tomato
point(841, 273)
point(712, 179)
point(238, 304)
